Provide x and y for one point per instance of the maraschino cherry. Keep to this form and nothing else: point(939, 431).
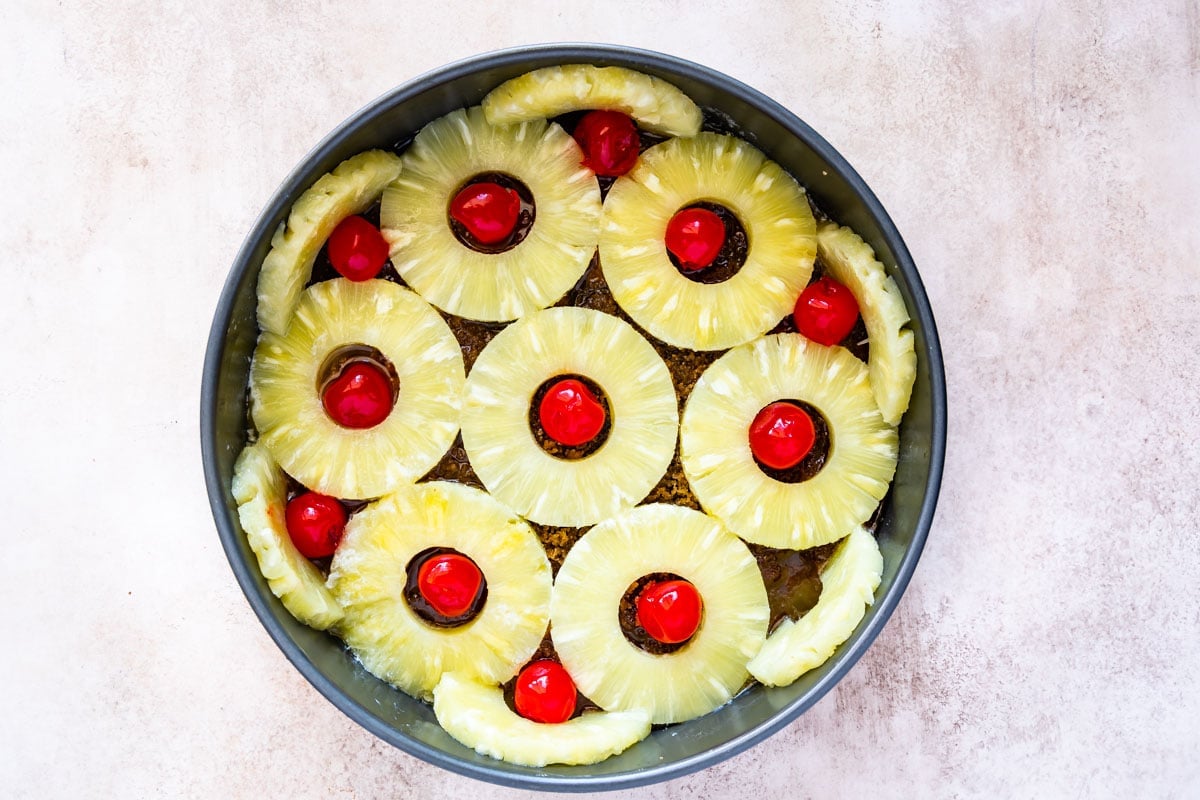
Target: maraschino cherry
point(315, 523)
point(781, 435)
point(609, 140)
point(357, 249)
point(544, 692)
point(570, 414)
point(695, 237)
point(487, 210)
point(670, 611)
point(449, 582)
point(361, 397)
point(826, 311)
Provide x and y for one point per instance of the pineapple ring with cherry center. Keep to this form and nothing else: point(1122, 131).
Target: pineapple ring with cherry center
point(617, 674)
point(287, 406)
point(769, 203)
point(369, 572)
point(503, 450)
point(492, 287)
point(720, 466)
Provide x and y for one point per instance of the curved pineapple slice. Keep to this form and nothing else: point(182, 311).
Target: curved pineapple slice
point(286, 403)
point(892, 362)
point(768, 202)
point(492, 287)
point(603, 564)
point(261, 494)
point(656, 105)
point(848, 584)
point(500, 390)
point(349, 189)
point(715, 446)
point(369, 572)
point(476, 715)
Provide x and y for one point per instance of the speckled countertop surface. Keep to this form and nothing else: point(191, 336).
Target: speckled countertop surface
point(1043, 162)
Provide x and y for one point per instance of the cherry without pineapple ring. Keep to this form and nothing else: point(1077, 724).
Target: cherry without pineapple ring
point(544, 692)
point(610, 142)
point(357, 249)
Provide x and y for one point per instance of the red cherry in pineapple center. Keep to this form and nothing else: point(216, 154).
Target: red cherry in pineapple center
point(357, 249)
point(609, 140)
point(781, 435)
point(360, 397)
point(670, 611)
point(570, 413)
point(695, 237)
point(449, 582)
point(826, 311)
point(315, 523)
point(544, 692)
point(487, 210)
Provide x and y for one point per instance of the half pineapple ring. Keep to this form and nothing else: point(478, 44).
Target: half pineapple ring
point(492, 287)
point(500, 390)
point(369, 573)
point(350, 189)
point(598, 570)
point(848, 584)
point(718, 463)
point(475, 714)
point(892, 362)
point(261, 493)
point(768, 202)
point(655, 104)
point(286, 401)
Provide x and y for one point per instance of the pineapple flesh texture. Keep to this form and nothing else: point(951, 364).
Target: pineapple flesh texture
point(656, 105)
point(476, 715)
point(350, 189)
point(286, 402)
point(369, 573)
point(848, 584)
point(500, 390)
point(261, 493)
point(771, 206)
point(491, 287)
point(892, 364)
point(617, 674)
point(718, 463)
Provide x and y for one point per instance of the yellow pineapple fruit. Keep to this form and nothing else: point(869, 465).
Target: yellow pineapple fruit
point(768, 203)
point(369, 574)
point(717, 460)
point(848, 583)
point(349, 189)
point(286, 402)
point(548, 92)
point(491, 286)
point(261, 493)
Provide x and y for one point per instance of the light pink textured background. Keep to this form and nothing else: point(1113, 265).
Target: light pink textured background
point(1042, 160)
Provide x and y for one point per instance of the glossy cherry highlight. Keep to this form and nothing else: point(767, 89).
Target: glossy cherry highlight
point(487, 210)
point(449, 582)
point(670, 611)
point(357, 249)
point(610, 142)
point(781, 435)
point(544, 692)
point(315, 522)
point(695, 237)
point(360, 397)
point(570, 413)
point(826, 311)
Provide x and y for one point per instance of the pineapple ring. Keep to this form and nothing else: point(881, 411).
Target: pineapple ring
point(617, 674)
point(261, 494)
point(715, 446)
point(502, 448)
point(349, 189)
point(657, 106)
point(848, 583)
point(369, 572)
point(476, 715)
point(768, 202)
point(892, 362)
point(492, 287)
point(288, 411)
